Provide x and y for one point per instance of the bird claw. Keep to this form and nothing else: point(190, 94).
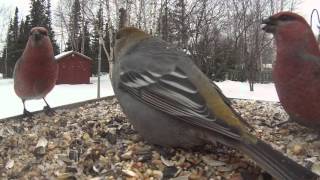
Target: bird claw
point(48, 111)
point(278, 125)
point(27, 113)
point(315, 139)
point(281, 123)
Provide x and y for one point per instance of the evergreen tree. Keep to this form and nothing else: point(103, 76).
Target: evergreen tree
point(40, 15)
point(74, 25)
point(18, 32)
point(22, 39)
point(98, 26)
point(48, 25)
point(87, 48)
point(16, 24)
point(68, 46)
point(12, 48)
point(25, 27)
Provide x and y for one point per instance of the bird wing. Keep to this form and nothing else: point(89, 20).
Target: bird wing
point(174, 94)
point(310, 57)
point(225, 99)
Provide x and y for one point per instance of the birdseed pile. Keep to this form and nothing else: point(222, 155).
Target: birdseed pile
point(94, 141)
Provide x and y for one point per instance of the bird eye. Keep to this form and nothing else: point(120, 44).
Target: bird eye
point(286, 18)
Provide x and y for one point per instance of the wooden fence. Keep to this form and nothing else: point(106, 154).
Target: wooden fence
point(260, 77)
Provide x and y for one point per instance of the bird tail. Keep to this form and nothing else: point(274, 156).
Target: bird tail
point(277, 164)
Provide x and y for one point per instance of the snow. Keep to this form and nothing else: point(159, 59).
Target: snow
point(10, 104)
point(240, 90)
point(63, 54)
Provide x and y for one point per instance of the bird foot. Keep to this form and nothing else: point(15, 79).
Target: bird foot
point(281, 123)
point(278, 125)
point(315, 139)
point(27, 113)
point(48, 111)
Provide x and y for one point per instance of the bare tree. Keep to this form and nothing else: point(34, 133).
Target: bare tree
point(219, 35)
point(205, 32)
point(83, 4)
point(163, 20)
point(4, 12)
point(63, 14)
point(4, 22)
point(141, 19)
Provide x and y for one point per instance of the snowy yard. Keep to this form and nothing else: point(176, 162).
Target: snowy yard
point(10, 104)
point(240, 90)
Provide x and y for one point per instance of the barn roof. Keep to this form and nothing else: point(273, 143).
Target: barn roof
point(68, 53)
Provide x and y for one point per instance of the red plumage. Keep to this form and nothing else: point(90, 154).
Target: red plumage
point(36, 71)
point(297, 69)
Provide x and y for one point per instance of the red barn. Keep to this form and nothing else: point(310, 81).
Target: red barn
point(74, 68)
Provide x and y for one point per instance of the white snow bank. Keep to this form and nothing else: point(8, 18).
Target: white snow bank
point(241, 90)
point(11, 105)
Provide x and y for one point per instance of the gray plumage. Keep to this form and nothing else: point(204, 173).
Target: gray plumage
point(170, 102)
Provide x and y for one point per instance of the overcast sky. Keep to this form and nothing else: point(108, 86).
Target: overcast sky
point(304, 9)
point(23, 5)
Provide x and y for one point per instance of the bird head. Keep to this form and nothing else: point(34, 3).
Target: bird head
point(38, 36)
point(284, 22)
point(126, 38)
point(291, 32)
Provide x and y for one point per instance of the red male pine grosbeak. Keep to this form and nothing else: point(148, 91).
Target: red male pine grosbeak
point(296, 72)
point(36, 71)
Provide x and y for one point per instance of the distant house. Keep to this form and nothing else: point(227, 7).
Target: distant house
point(74, 68)
point(267, 66)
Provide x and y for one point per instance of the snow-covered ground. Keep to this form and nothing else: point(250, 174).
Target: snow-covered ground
point(10, 104)
point(240, 90)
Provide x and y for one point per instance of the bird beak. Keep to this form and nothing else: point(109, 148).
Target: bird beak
point(36, 36)
point(270, 25)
